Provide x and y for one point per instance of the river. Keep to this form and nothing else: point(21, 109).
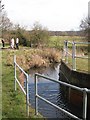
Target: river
point(52, 92)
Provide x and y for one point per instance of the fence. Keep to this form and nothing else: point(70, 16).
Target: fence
point(84, 90)
point(66, 53)
point(17, 81)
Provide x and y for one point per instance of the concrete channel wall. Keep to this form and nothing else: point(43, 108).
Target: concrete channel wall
point(79, 79)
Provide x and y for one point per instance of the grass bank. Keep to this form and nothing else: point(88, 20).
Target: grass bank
point(13, 103)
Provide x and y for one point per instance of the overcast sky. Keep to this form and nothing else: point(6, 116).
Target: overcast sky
point(53, 14)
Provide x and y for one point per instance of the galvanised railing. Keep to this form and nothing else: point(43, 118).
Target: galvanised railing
point(17, 81)
point(66, 53)
point(84, 90)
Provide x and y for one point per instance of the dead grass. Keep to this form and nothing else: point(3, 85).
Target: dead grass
point(29, 58)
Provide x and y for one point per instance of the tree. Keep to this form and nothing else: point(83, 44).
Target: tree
point(5, 23)
point(85, 26)
point(21, 33)
point(39, 35)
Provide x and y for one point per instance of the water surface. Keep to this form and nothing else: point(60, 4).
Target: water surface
point(51, 91)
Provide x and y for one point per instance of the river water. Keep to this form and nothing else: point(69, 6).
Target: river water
point(52, 92)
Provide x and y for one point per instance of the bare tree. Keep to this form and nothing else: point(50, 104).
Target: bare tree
point(85, 26)
point(5, 23)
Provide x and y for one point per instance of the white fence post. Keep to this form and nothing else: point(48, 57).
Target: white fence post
point(66, 47)
point(74, 56)
point(27, 96)
point(15, 72)
point(85, 103)
point(36, 98)
point(63, 52)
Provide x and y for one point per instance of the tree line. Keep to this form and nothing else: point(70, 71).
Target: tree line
point(38, 35)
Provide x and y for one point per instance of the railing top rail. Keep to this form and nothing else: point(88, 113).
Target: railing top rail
point(82, 42)
point(71, 42)
point(21, 69)
point(63, 83)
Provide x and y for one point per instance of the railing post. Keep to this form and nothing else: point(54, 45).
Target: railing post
point(15, 72)
point(85, 103)
point(27, 96)
point(63, 52)
point(73, 56)
point(66, 47)
point(36, 98)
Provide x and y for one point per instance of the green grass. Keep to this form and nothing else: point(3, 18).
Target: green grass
point(62, 38)
point(81, 64)
point(58, 41)
point(13, 103)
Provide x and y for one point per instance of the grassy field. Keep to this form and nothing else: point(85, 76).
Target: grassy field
point(13, 103)
point(81, 64)
point(58, 41)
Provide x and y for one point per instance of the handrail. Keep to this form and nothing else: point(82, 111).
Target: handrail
point(68, 52)
point(78, 42)
point(21, 87)
point(60, 82)
point(21, 69)
point(73, 54)
point(16, 80)
point(82, 43)
point(84, 90)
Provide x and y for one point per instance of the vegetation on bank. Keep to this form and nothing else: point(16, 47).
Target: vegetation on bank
point(33, 58)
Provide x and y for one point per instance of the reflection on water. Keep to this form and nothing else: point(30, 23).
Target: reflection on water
point(51, 71)
point(49, 90)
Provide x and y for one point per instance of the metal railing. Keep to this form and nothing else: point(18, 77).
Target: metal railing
point(17, 81)
point(84, 90)
point(66, 53)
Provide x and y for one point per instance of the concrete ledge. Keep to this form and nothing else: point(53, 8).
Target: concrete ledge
point(79, 79)
point(74, 77)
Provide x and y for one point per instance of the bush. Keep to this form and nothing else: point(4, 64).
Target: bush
point(39, 35)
